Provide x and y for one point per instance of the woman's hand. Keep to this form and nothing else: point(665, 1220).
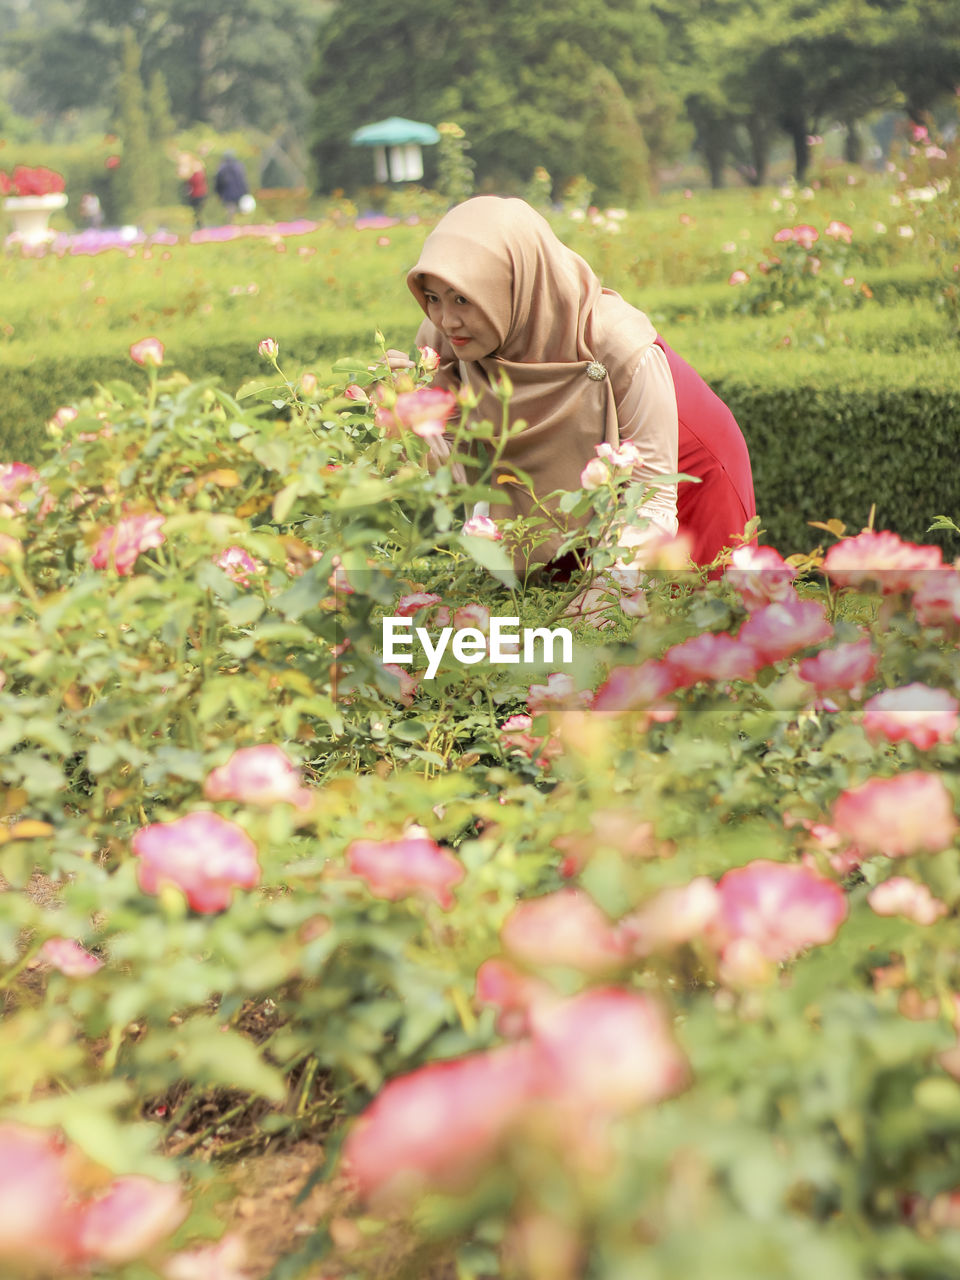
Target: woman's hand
point(594, 604)
point(397, 360)
point(439, 454)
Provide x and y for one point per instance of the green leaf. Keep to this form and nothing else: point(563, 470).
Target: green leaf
point(212, 1054)
point(245, 611)
point(491, 556)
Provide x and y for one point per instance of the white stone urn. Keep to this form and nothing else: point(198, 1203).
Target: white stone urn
point(30, 216)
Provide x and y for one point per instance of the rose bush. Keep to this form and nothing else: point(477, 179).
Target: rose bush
point(246, 871)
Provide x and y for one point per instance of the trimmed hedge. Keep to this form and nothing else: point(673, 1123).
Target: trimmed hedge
point(830, 433)
point(835, 447)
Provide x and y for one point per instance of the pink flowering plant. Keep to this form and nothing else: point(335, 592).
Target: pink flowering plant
point(818, 269)
point(643, 965)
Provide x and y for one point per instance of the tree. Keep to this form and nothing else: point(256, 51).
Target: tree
point(135, 179)
point(228, 63)
point(521, 77)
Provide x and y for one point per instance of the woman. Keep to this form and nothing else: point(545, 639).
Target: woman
point(502, 294)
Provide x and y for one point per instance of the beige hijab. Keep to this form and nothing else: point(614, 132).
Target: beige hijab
point(563, 340)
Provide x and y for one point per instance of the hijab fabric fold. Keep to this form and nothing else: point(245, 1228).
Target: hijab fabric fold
point(563, 340)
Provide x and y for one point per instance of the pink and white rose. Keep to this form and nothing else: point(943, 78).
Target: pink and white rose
point(202, 854)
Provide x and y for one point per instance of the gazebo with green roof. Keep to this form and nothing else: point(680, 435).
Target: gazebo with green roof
point(403, 140)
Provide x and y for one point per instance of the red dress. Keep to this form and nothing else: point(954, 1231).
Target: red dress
point(712, 447)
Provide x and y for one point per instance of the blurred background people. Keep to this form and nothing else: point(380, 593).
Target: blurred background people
point(230, 184)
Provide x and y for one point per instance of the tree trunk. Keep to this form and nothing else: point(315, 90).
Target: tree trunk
point(801, 148)
point(853, 144)
point(759, 149)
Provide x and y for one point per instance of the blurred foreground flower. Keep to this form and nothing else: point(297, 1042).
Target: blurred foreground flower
point(48, 1227)
point(132, 1216)
point(424, 412)
point(901, 896)
point(590, 1058)
point(909, 813)
point(414, 863)
point(563, 928)
point(781, 629)
point(880, 558)
point(69, 957)
point(222, 1261)
point(779, 907)
point(120, 545)
point(201, 853)
point(913, 713)
point(261, 775)
point(760, 575)
point(847, 667)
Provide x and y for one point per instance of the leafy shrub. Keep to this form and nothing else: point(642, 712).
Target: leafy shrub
point(673, 948)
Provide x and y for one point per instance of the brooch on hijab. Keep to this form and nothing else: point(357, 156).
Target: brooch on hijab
point(596, 371)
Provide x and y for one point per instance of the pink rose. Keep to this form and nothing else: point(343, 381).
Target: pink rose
point(559, 691)
point(672, 917)
point(880, 558)
point(119, 545)
point(69, 957)
point(783, 236)
point(429, 359)
point(408, 605)
point(472, 615)
point(147, 352)
point(780, 907)
point(901, 896)
point(738, 277)
point(408, 683)
point(624, 457)
point(438, 1127)
point(848, 667)
point(936, 598)
point(262, 775)
point(563, 928)
point(37, 1208)
point(201, 853)
point(65, 414)
point(838, 231)
point(15, 476)
point(780, 629)
point(629, 688)
point(805, 235)
point(607, 1051)
point(595, 474)
point(424, 412)
point(710, 657)
point(482, 527)
point(238, 565)
point(413, 863)
point(268, 348)
point(909, 813)
point(222, 1261)
point(912, 713)
point(353, 392)
point(512, 993)
point(760, 575)
point(130, 1218)
point(516, 735)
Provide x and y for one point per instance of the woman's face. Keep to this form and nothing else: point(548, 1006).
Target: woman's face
point(462, 323)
